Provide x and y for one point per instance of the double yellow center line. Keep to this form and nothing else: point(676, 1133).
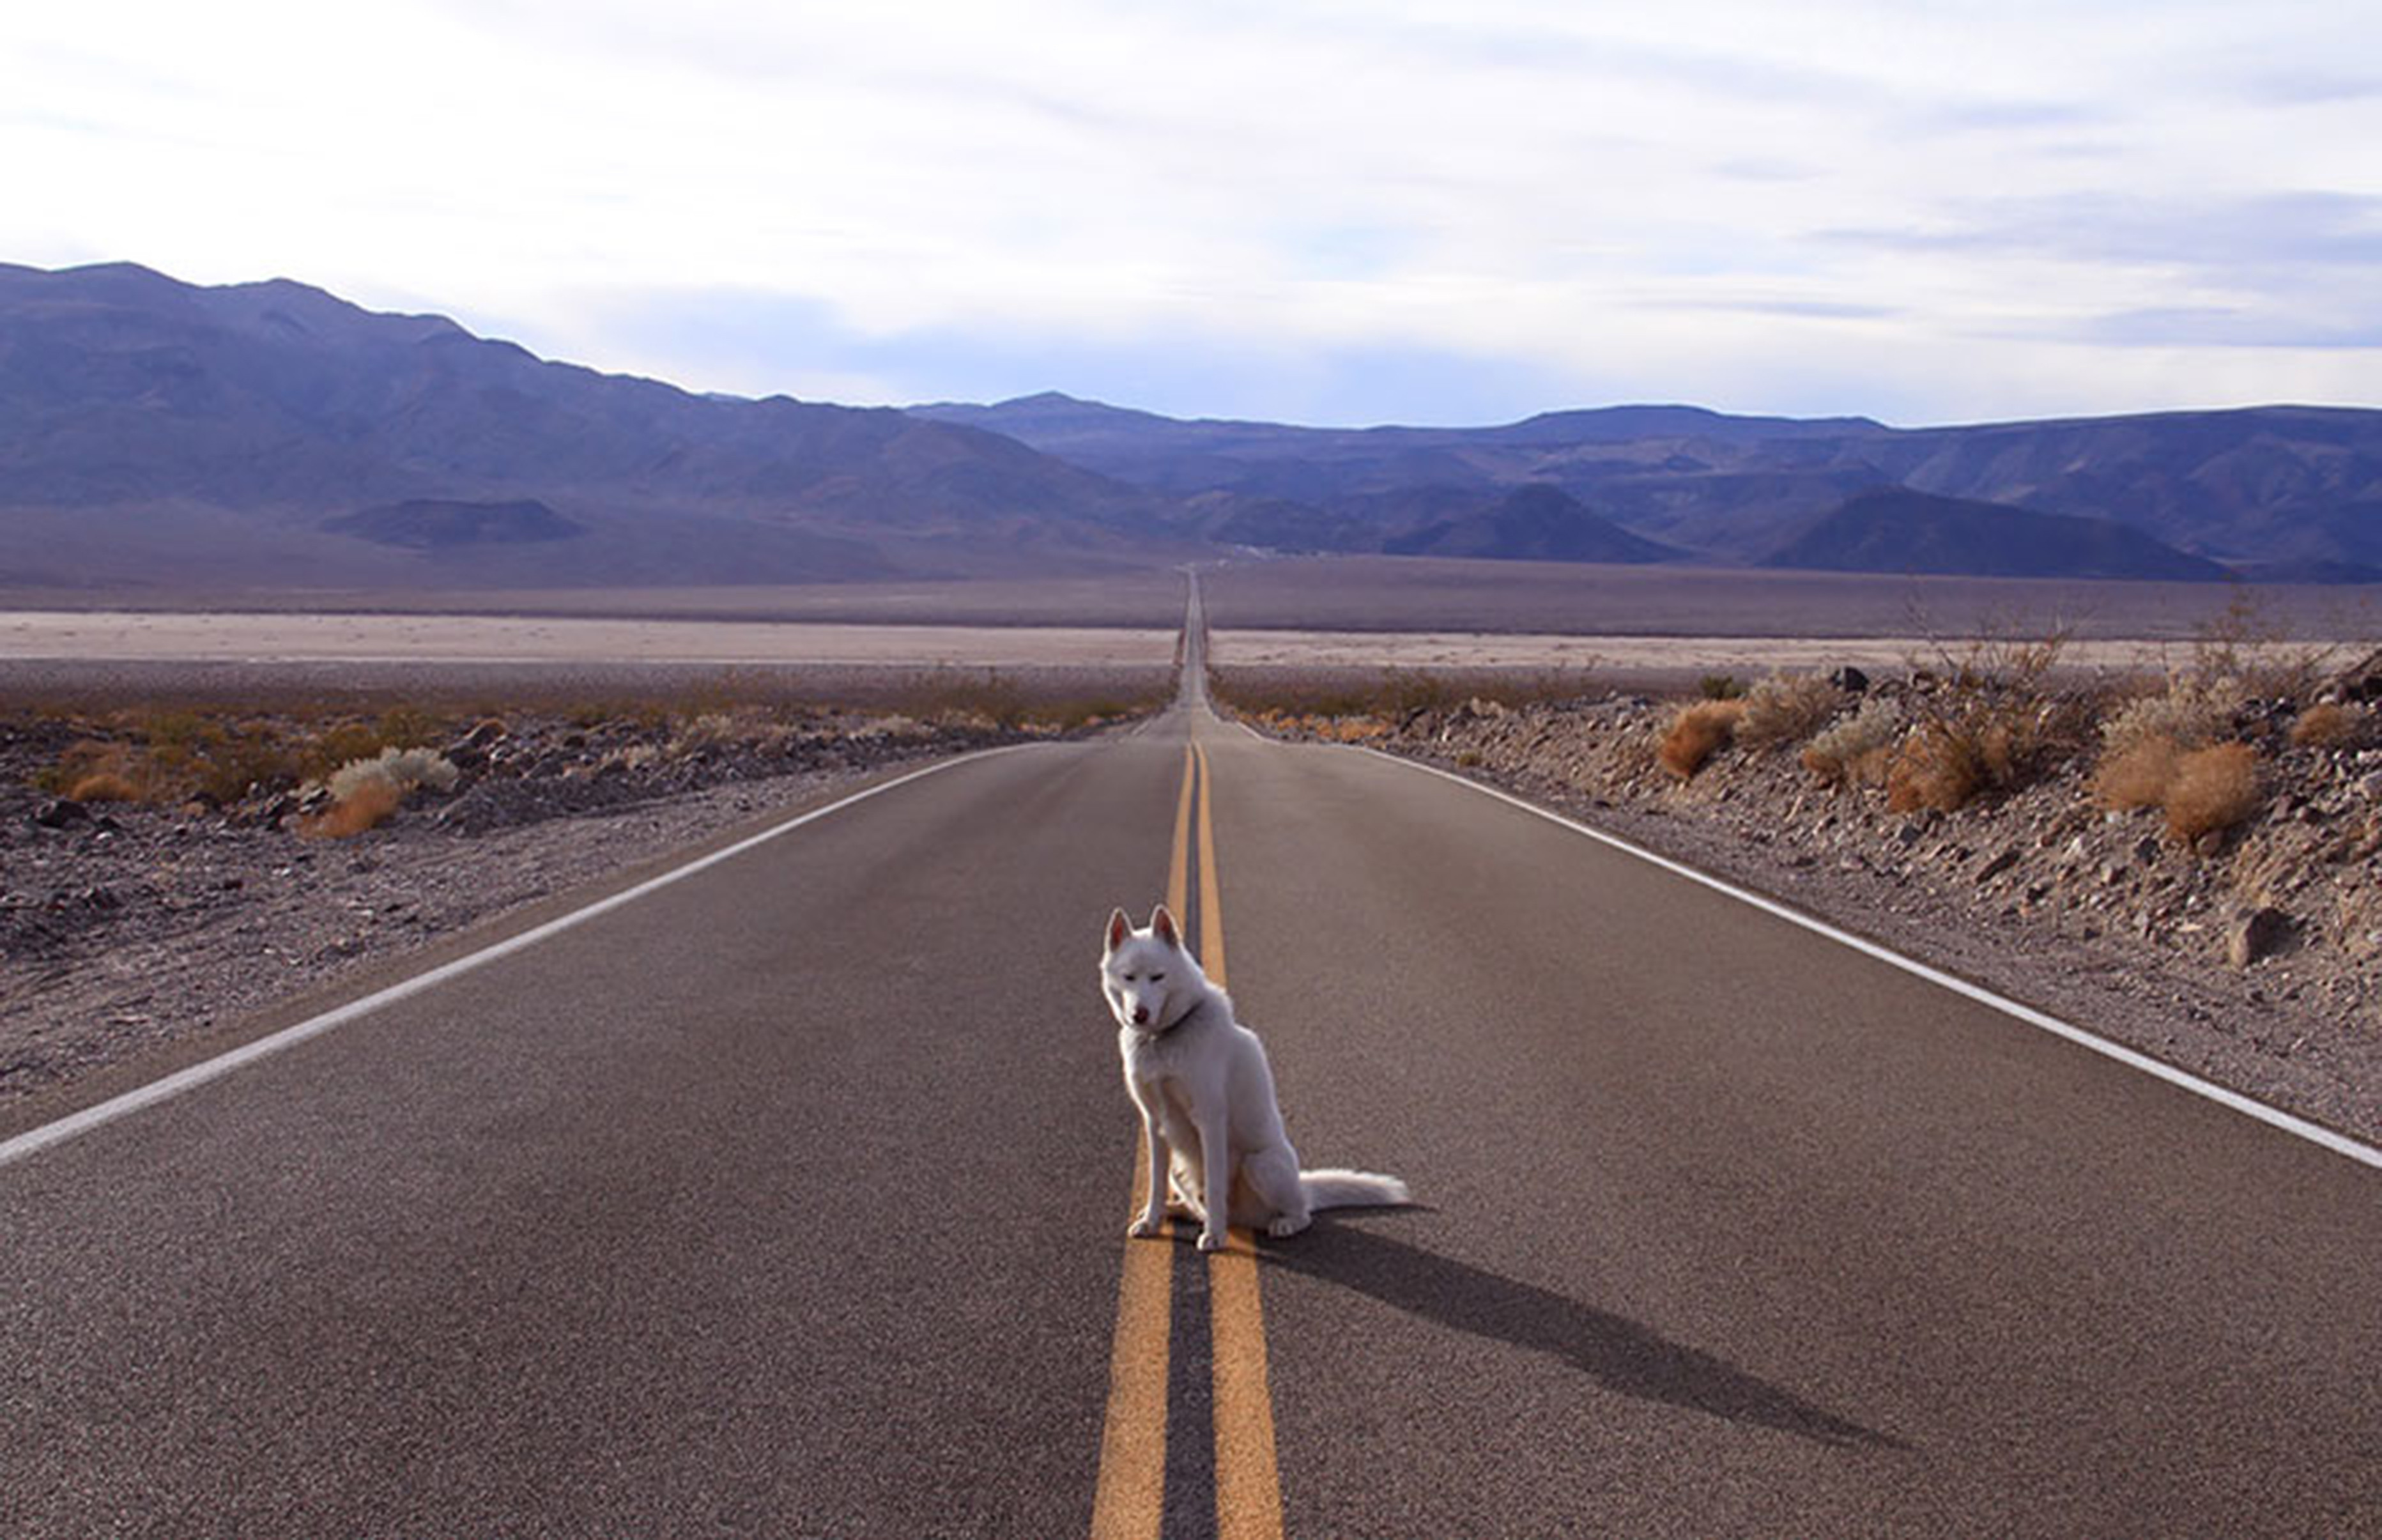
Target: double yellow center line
point(1129, 1499)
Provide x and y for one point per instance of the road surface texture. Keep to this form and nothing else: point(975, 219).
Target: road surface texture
point(789, 1199)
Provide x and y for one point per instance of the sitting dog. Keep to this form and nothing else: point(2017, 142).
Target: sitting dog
point(1205, 1096)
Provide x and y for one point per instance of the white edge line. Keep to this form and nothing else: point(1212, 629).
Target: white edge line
point(167, 1086)
point(2315, 1133)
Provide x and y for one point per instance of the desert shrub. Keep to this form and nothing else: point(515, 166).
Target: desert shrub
point(1784, 710)
point(2328, 724)
point(2190, 710)
point(2213, 789)
point(717, 729)
point(401, 770)
point(1945, 765)
point(367, 804)
point(1720, 686)
point(174, 737)
point(83, 759)
point(1698, 733)
point(1857, 748)
point(1408, 691)
point(634, 757)
point(2137, 775)
point(2253, 651)
point(341, 743)
point(950, 694)
point(364, 793)
point(1076, 711)
point(103, 786)
point(410, 727)
point(253, 756)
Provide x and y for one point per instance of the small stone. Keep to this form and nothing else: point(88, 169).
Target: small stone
point(61, 813)
point(2260, 933)
point(1997, 864)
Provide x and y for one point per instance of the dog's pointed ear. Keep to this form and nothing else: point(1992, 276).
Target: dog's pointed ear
point(1162, 925)
point(1119, 928)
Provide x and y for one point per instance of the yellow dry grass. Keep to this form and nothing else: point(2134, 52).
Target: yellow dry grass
point(1697, 733)
point(367, 807)
point(2213, 789)
point(2328, 724)
point(2138, 774)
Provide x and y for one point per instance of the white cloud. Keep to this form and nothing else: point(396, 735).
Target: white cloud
point(1560, 193)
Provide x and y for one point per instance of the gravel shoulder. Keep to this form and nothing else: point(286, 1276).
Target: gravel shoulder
point(131, 931)
point(2252, 960)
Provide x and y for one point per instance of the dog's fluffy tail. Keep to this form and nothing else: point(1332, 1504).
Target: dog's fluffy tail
point(1350, 1190)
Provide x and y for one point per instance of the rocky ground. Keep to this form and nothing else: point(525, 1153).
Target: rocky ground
point(129, 923)
point(2250, 956)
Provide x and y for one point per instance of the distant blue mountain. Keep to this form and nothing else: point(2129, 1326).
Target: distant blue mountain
point(154, 431)
point(2287, 493)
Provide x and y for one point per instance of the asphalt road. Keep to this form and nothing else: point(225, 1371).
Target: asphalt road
point(790, 1199)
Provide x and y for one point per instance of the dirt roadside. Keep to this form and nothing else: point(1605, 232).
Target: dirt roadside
point(129, 930)
point(2251, 957)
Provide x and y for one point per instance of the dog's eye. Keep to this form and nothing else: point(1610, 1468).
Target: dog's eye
point(1156, 976)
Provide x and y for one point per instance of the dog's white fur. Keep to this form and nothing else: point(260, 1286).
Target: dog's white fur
point(1205, 1096)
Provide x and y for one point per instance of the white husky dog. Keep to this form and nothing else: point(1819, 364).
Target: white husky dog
point(1205, 1096)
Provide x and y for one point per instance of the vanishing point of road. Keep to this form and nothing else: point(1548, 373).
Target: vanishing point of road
point(788, 1198)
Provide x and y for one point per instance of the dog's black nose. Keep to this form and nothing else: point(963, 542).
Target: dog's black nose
point(1141, 1016)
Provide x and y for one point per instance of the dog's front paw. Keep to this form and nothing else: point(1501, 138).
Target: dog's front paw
point(1147, 1225)
point(1286, 1225)
point(1214, 1240)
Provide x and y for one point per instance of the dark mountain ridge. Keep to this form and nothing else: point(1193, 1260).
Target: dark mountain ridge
point(1537, 523)
point(2282, 491)
point(1896, 529)
point(145, 422)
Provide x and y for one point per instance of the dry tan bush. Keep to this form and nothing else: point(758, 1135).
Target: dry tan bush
point(367, 805)
point(1697, 733)
point(103, 786)
point(1938, 767)
point(2213, 789)
point(1858, 748)
point(2137, 775)
point(1784, 709)
point(83, 759)
point(2328, 724)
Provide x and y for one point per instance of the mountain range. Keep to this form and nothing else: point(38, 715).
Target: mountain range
point(152, 431)
point(247, 436)
point(2281, 493)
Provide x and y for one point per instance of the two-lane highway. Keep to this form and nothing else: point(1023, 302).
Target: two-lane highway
point(789, 1199)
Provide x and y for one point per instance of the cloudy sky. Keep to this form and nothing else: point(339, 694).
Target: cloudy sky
point(1320, 212)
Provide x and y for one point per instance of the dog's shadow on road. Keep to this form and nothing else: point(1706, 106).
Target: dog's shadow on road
point(1616, 1352)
